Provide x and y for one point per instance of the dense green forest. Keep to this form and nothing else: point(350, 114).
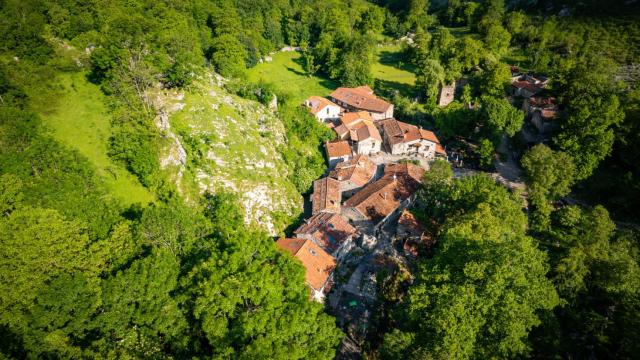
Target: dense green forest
point(84, 274)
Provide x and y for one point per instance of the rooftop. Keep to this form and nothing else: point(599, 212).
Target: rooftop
point(317, 103)
point(360, 169)
point(400, 132)
point(361, 97)
point(317, 263)
point(328, 230)
point(326, 195)
point(338, 149)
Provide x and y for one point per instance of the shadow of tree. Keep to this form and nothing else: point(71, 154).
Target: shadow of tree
point(389, 88)
point(396, 60)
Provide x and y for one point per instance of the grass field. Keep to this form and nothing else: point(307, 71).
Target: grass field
point(285, 73)
point(80, 120)
point(391, 72)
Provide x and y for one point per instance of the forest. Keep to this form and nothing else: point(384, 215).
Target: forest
point(553, 273)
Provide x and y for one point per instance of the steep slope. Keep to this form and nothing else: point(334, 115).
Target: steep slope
point(216, 141)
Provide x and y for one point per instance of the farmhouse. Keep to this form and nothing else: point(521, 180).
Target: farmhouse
point(317, 263)
point(337, 151)
point(323, 109)
point(405, 139)
point(329, 231)
point(362, 99)
point(541, 112)
point(354, 174)
point(359, 128)
point(527, 85)
point(380, 200)
point(326, 196)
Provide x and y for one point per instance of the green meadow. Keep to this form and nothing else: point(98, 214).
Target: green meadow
point(79, 119)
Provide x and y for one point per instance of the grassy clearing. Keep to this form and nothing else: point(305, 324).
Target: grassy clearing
point(80, 120)
point(286, 74)
point(391, 72)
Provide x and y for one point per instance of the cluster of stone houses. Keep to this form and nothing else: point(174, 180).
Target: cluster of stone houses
point(357, 196)
point(540, 110)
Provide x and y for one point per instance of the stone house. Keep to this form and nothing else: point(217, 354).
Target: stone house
point(337, 151)
point(360, 129)
point(527, 85)
point(413, 236)
point(381, 200)
point(541, 112)
point(405, 139)
point(323, 109)
point(329, 231)
point(362, 98)
point(447, 93)
point(326, 196)
point(354, 174)
point(318, 264)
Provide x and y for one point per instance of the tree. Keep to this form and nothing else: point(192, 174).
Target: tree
point(498, 115)
point(486, 152)
point(429, 79)
point(549, 176)
point(495, 78)
point(481, 293)
point(497, 39)
point(228, 55)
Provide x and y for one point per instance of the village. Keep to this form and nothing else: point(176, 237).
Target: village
point(360, 223)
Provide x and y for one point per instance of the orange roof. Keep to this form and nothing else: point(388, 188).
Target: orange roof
point(363, 131)
point(317, 103)
point(352, 118)
point(400, 132)
point(317, 263)
point(338, 149)
point(326, 195)
point(328, 230)
point(440, 150)
point(529, 86)
point(360, 169)
point(414, 171)
point(379, 199)
point(360, 98)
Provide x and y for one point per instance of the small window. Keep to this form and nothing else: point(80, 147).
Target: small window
point(327, 110)
point(313, 252)
point(331, 226)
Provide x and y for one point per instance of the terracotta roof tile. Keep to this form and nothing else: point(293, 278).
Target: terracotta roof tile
point(317, 263)
point(327, 230)
point(338, 149)
point(379, 199)
point(360, 98)
point(360, 170)
point(326, 195)
point(317, 103)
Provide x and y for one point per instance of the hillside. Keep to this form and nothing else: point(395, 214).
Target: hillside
point(218, 141)
point(79, 119)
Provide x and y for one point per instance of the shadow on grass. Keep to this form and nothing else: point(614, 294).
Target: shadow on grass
point(395, 59)
point(389, 88)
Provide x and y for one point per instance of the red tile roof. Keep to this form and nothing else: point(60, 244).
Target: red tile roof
point(379, 199)
point(337, 149)
point(327, 230)
point(400, 132)
point(352, 118)
point(360, 169)
point(363, 131)
point(326, 195)
point(317, 103)
point(317, 263)
point(360, 98)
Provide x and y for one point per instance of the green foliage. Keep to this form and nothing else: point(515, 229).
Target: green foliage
point(495, 78)
point(497, 39)
point(429, 79)
point(228, 55)
point(481, 293)
point(487, 153)
point(549, 176)
point(499, 116)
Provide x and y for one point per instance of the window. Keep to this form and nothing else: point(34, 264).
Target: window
point(327, 111)
point(313, 252)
